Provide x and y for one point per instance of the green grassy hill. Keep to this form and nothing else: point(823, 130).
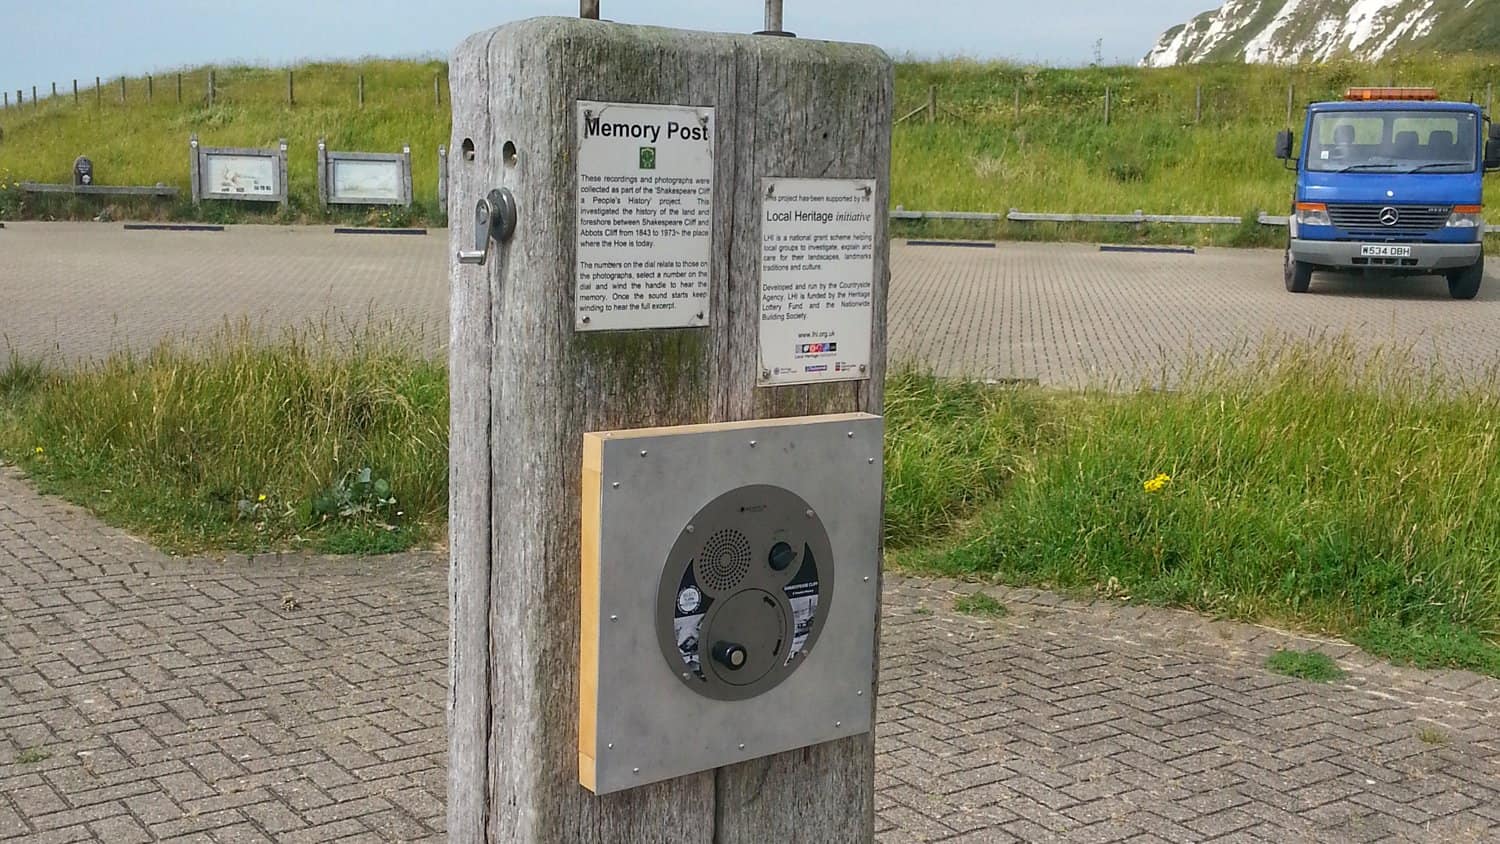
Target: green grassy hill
point(1156, 154)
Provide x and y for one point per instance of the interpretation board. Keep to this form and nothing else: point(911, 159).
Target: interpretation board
point(817, 280)
point(645, 216)
point(252, 175)
point(364, 178)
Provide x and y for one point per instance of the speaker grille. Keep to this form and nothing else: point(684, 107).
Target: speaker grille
point(724, 561)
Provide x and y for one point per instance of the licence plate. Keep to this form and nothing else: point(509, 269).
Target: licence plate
point(1384, 250)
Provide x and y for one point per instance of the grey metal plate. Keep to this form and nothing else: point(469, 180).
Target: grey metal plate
point(652, 726)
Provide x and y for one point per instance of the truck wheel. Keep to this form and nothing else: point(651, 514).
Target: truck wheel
point(1464, 283)
point(1298, 274)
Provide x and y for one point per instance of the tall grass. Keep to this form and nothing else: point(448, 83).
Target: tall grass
point(1318, 487)
point(240, 441)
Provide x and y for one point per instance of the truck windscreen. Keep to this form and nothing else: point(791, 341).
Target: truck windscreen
point(1393, 142)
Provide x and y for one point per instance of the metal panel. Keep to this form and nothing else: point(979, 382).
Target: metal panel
point(650, 725)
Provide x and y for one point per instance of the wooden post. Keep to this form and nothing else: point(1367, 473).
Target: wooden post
point(149, 86)
point(437, 92)
point(211, 87)
point(1198, 106)
point(179, 89)
point(122, 90)
point(773, 17)
point(98, 92)
point(525, 386)
point(1489, 99)
point(34, 101)
point(75, 92)
point(54, 90)
point(1291, 96)
point(7, 99)
point(931, 103)
point(361, 90)
point(291, 93)
point(588, 9)
point(1106, 105)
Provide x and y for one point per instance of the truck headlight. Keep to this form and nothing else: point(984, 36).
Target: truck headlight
point(1312, 214)
point(1466, 217)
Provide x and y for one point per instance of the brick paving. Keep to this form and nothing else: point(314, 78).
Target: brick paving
point(1063, 314)
point(301, 699)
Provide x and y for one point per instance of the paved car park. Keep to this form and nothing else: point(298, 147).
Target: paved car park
point(1065, 314)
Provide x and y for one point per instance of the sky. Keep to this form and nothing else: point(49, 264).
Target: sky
point(42, 41)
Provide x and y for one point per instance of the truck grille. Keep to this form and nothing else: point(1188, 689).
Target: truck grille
point(1412, 219)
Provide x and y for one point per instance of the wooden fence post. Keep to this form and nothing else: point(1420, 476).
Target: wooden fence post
point(75, 92)
point(122, 90)
point(1198, 106)
point(1291, 96)
point(149, 86)
point(527, 380)
point(34, 100)
point(1106, 105)
point(291, 93)
point(179, 89)
point(212, 87)
point(1489, 99)
point(931, 103)
point(98, 92)
point(361, 86)
point(54, 90)
point(6, 94)
point(437, 92)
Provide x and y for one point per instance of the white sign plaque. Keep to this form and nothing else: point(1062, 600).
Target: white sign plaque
point(377, 180)
point(817, 279)
point(645, 216)
point(240, 175)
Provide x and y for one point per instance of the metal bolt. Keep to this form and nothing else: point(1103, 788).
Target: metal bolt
point(871, 461)
point(838, 723)
point(643, 452)
point(765, 373)
point(752, 443)
point(867, 578)
point(585, 320)
point(616, 484)
point(861, 367)
point(635, 770)
point(742, 747)
point(690, 528)
point(851, 435)
point(859, 692)
point(611, 745)
point(809, 514)
point(617, 618)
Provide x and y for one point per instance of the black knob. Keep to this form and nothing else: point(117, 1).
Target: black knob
point(782, 556)
point(730, 655)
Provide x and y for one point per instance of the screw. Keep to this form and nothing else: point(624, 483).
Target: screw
point(635, 770)
point(742, 747)
point(838, 723)
point(856, 691)
point(585, 320)
point(690, 528)
point(851, 435)
point(809, 514)
point(617, 618)
point(752, 443)
point(611, 745)
point(861, 367)
point(616, 484)
point(870, 461)
point(765, 373)
point(643, 452)
point(867, 578)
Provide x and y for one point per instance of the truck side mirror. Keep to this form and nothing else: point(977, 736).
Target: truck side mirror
point(1492, 154)
point(1284, 144)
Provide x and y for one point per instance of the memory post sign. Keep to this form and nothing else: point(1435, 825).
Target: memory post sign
point(238, 173)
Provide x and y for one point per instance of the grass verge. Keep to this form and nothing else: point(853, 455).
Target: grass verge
point(1316, 488)
point(331, 438)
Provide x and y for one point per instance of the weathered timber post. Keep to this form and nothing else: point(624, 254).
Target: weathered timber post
point(122, 90)
point(931, 103)
point(437, 92)
point(1198, 105)
point(212, 87)
point(1106, 104)
point(75, 92)
point(179, 89)
point(530, 374)
point(1291, 96)
point(98, 92)
point(291, 91)
point(149, 86)
point(361, 87)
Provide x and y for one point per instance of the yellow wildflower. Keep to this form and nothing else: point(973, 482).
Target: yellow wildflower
point(261, 498)
point(1158, 483)
point(40, 450)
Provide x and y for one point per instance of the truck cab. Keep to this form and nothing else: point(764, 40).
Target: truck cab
point(1390, 180)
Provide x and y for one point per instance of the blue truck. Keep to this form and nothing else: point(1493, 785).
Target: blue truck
point(1390, 180)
